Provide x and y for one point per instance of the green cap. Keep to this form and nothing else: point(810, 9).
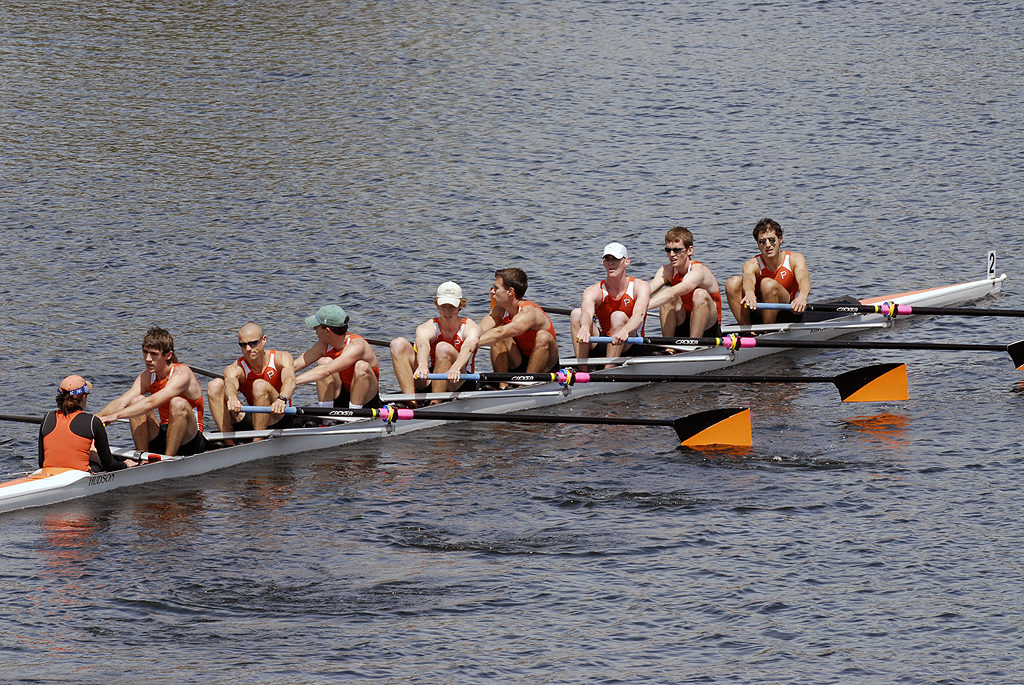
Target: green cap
point(329, 315)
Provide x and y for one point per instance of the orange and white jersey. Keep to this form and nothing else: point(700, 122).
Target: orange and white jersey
point(349, 372)
point(271, 374)
point(783, 275)
point(687, 299)
point(455, 341)
point(164, 409)
point(623, 304)
point(528, 340)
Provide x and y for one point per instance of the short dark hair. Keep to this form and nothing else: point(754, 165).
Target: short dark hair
point(767, 224)
point(157, 338)
point(513, 278)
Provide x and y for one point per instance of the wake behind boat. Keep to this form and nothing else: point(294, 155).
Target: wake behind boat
point(48, 486)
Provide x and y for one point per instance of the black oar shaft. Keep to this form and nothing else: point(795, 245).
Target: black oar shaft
point(21, 418)
point(538, 418)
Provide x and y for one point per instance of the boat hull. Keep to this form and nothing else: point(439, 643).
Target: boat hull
point(40, 489)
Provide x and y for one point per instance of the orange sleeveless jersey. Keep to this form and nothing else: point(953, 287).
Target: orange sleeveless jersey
point(526, 341)
point(156, 386)
point(271, 374)
point(716, 296)
point(623, 304)
point(784, 275)
point(64, 449)
point(348, 373)
point(455, 341)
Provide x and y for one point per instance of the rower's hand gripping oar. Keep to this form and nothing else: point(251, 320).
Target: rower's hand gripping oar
point(1015, 349)
point(874, 383)
point(715, 427)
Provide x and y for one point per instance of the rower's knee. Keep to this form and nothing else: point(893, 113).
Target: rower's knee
point(734, 286)
point(400, 346)
point(262, 392)
point(179, 407)
point(215, 389)
point(445, 353)
point(362, 369)
point(773, 291)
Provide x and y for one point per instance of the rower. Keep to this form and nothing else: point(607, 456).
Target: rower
point(685, 292)
point(446, 343)
point(344, 366)
point(165, 403)
point(72, 438)
point(265, 378)
point(519, 332)
point(619, 303)
point(775, 275)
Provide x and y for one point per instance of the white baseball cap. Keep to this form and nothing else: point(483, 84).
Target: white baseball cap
point(617, 250)
point(449, 292)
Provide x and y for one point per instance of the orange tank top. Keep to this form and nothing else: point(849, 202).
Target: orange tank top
point(64, 449)
point(164, 409)
point(271, 374)
point(622, 304)
point(528, 340)
point(348, 373)
point(687, 299)
point(784, 275)
point(455, 341)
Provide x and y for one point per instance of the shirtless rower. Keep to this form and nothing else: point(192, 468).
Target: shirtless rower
point(775, 275)
point(685, 291)
point(265, 378)
point(346, 372)
point(446, 343)
point(619, 302)
point(520, 333)
point(170, 388)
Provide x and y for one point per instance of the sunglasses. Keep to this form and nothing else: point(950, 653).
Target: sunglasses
point(770, 240)
point(674, 250)
point(250, 343)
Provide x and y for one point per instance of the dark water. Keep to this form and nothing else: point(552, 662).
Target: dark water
point(197, 165)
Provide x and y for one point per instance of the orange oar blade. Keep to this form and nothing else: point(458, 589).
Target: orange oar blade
point(730, 426)
point(875, 383)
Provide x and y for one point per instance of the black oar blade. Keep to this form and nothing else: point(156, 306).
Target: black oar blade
point(22, 418)
point(1016, 351)
point(875, 383)
point(729, 426)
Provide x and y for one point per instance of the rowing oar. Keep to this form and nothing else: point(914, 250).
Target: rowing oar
point(21, 417)
point(204, 372)
point(1015, 349)
point(875, 383)
point(892, 309)
point(730, 426)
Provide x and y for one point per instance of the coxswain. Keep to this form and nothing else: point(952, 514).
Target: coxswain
point(446, 343)
point(619, 303)
point(518, 331)
point(72, 438)
point(165, 403)
point(343, 365)
point(685, 292)
point(265, 378)
point(775, 275)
